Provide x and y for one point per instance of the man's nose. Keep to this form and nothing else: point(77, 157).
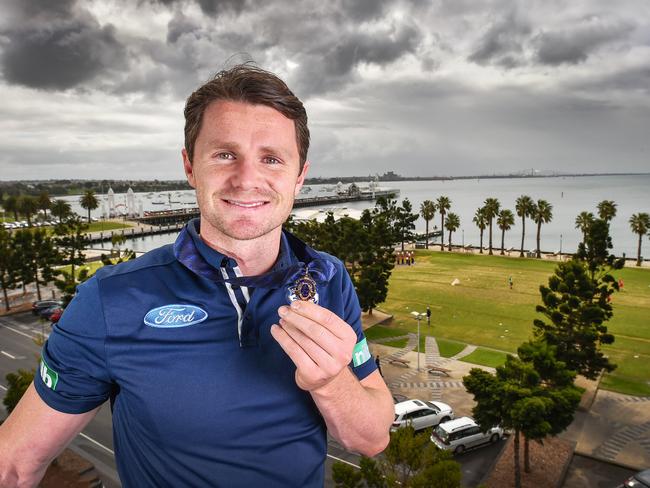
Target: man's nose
point(246, 174)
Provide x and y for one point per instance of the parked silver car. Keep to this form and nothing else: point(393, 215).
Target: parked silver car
point(463, 433)
point(420, 414)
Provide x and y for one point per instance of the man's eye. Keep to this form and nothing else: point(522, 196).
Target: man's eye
point(225, 155)
point(271, 160)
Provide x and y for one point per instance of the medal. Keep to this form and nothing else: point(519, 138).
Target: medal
point(304, 288)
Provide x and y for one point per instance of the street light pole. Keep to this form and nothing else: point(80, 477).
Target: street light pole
point(418, 316)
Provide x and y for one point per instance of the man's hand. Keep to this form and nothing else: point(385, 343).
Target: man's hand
point(318, 342)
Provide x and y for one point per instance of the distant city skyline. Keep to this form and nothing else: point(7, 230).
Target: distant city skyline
point(96, 90)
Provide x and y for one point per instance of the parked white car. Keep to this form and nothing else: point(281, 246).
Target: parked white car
point(420, 414)
point(463, 433)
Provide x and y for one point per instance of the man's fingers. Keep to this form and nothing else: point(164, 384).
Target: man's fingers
point(299, 357)
point(314, 350)
point(322, 316)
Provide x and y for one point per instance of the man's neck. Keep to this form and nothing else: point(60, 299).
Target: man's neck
point(254, 257)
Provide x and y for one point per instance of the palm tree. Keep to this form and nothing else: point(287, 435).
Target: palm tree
point(44, 202)
point(505, 221)
point(525, 208)
point(606, 210)
point(481, 223)
point(60, 209)
point(28, 206)
point(427, 211)
point(640, 224)
point(491, 207)
point(89, 201)
point(583, 221)
point(10, 205)
point(452, 222)
point(543, 215)
point(442, 205)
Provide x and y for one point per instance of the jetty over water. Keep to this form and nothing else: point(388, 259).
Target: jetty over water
point(182, 215)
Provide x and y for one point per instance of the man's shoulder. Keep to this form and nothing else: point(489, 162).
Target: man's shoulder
point(161, 256)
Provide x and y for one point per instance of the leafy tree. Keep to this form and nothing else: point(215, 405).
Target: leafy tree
point(71, 241)
point(427, 211)
point(640, 224)
point(387, 210)
point(410, 461)
point(17, 386)
point(491, 208)
point(481, 222)
point(67, 283)
point(453, 222)
point(8, 264)
point(542, 214)
point(405, 221)
point(524, 208)
point(28, 206)
point(583, 221)
point(61, 210)
point(10, 204)
point(520, 398)
point(443, 204)
point(37, 256)
point(89, 201)
point(44, 202)
point(505, 221)
point(606, 210)
point(577, 303)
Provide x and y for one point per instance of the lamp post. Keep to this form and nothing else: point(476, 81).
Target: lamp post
point(560, 247)
point(418, 316)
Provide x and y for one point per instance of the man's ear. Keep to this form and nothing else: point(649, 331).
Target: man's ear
point(189, 170)
point(301, 179)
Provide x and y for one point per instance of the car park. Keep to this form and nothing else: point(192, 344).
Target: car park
point(41, 305)
point(463, 433)
point(420, 414)
point(639, 480)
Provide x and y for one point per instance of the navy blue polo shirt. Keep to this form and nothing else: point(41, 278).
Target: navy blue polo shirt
point(201, 393)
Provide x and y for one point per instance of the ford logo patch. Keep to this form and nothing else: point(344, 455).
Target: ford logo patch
point(175, 315)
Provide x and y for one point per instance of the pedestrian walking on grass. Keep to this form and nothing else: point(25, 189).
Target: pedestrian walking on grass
point(510, 281)
point(428, 315)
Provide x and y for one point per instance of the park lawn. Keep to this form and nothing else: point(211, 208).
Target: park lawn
point(381, 332)
point(486, 357)
point(483, 310)
point(448, 348)
point(106, 226)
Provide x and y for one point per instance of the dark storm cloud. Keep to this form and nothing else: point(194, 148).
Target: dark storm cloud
point(180, 25)
point(502, 44)
point(55, 46)
point(361, 10)
point(333, 65)
point(574, 45)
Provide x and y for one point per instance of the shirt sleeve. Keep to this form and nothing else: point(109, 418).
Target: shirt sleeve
point(73, 375)
point(362, 364)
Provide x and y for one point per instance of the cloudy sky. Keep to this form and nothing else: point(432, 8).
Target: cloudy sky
point(94, 89)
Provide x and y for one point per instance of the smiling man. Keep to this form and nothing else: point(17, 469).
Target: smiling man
point(225, 356)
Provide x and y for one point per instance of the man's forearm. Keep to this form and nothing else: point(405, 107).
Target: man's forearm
point(358, 416)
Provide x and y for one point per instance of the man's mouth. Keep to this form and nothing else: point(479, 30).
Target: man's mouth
point(239, 203)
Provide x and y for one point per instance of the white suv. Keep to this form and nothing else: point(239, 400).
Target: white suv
point(421, 414)
point(463, 433)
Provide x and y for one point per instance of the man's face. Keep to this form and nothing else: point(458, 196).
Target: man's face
point(245, 170)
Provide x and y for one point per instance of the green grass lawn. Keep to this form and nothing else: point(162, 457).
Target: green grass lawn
point(484, 311)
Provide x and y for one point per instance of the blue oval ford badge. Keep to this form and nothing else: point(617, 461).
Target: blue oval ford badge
point(175, 315)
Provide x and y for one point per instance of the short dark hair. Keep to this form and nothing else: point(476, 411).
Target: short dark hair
point(250, 84)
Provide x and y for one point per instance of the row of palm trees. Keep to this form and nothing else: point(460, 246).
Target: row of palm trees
point(540, 212)
point(428, 209)
point(28, 205)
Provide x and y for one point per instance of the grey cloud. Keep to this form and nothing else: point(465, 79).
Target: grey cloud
point(502, 43)
point(178, 26)
point(575, 45)
point(216, 7)
point(361, 10)
point(57, 48)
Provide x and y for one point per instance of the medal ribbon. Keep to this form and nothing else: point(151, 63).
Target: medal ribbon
point(320, 270)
